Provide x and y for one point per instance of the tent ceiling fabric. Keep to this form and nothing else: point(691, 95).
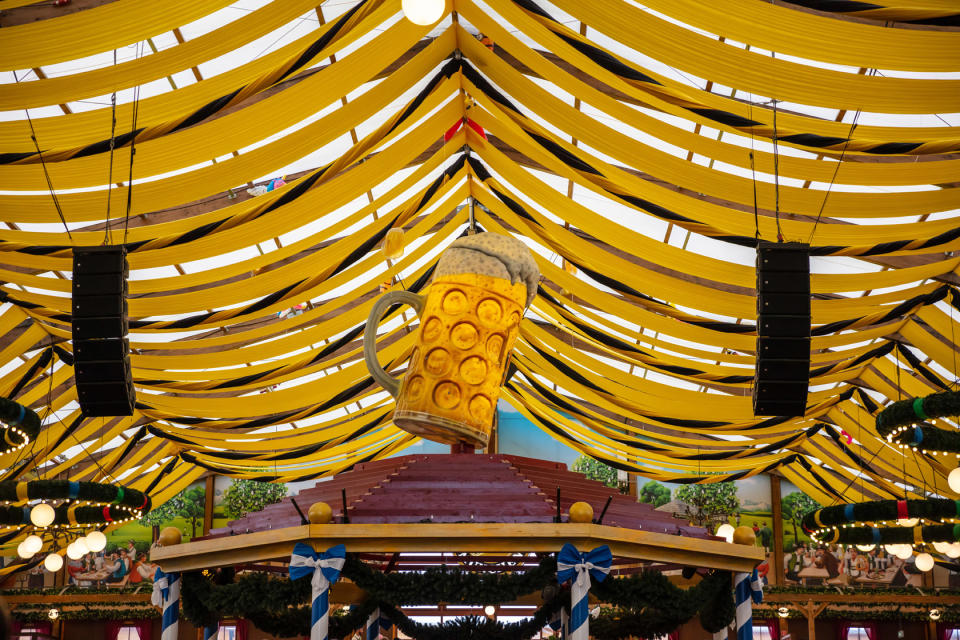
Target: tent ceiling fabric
point(639, 164)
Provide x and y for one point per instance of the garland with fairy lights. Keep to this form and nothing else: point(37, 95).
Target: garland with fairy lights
point(898, 423)
point(876, 522)
point(83, 503)
point(19, 425)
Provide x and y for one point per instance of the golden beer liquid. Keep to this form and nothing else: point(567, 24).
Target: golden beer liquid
point(467, 330)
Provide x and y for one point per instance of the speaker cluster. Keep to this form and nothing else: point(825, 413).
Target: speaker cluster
point(783, 329)
point(101, 349)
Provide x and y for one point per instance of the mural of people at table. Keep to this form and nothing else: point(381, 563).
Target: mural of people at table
point(809, 562)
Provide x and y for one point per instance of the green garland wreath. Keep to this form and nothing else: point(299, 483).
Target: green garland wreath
point(19, 424)
point(276, 605)
point(898, 423)
point(40, 613)
point(85, 503)
point(844, 523)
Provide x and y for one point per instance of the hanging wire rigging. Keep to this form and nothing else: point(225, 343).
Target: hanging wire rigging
point(43, 164)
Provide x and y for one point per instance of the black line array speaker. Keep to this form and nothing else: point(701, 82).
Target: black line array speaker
point(783, 329)
point(101, 350)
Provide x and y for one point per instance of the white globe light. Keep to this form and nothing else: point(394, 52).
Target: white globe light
point(423, 12)
point(53, 614)
point(904, 552)
point(725, 531)
point(33, 543)
point(891, 548)
point(73, 551)
point(24, 551)
point(96, 541)
point(942, 547)
point(907, 522)
point(866, 547)
point(82, 547)
point(954, 480)
point(954, 550)
point(489, 610)
point(924, 562)
point(42, 515)
point(53, 562)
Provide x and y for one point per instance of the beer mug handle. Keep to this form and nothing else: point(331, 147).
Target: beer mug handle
point(388, 382)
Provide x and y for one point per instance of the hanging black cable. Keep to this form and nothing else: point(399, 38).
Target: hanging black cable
point(776, 174)
point(43, 164)
point(753, 173)
point(843, 151)
point(133, 146)
point(113, 140)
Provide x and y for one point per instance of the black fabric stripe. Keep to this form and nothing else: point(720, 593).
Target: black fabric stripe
point(484, 85)
point(160, 476)
point(14, 156)
point(239, 382)
point(208, 109)
point(103, 146)
point(873, 353)
point(857, 460)
point(68, 431)
point(563, 155)
point(448, 69)
point(812, 140)
point(568, 371)
point(321, 42)
point(894, 147)
point(836, 6)
point(943, 21)
point(727, 118)
point(867, 401)
point(41, 362)
point(919, 367)
point(942, 238)
point(599, 56)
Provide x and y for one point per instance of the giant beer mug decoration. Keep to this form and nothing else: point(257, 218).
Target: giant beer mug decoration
point(469, 319)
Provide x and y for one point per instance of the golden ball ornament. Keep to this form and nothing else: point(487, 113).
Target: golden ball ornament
point(581, 512)
point(744, 535)
point(320, 513)
point(169, 536)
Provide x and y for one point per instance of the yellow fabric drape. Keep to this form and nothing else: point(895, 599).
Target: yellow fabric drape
point(86, 84)
point(84, 33)
point(813, 37)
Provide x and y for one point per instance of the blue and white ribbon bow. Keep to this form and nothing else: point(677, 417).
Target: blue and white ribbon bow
point(747, 589)
point(578, 568)
point(324, 567)
point(166, 595)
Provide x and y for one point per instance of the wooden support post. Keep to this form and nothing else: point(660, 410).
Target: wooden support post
point(208, 506)
point(777, 517)
point(811, 611)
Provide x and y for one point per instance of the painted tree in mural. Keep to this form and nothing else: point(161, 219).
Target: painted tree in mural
point(707, 503)
point(188, 504)
point(796, 505)
point(245, 496)
point(654, 493)
point(596, 470)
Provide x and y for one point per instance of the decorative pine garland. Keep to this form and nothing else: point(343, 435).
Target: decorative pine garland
point(275, 605)
point(898, 423)
point(19, 425)
point(844, 523)
point(84, 503)
point(68, 611)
